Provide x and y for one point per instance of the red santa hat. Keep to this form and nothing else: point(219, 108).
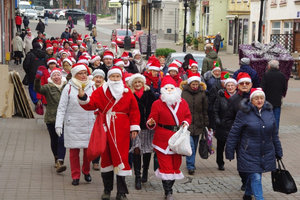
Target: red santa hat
point(114, 70)
point(49, 46)
point(127, 76)
point(54, 42)
point(73, 59)
point(29, 31)
point(99, 44)
point(154, 65)
point(69, 60)
point(65, 52)
point(230, 80)
point(113, 42)
point(79, 67)
point(224, 75)
point(70, 40)
point(216, 66)
point(83, 45)
point(256, 92)
point(136, 52)
point(108, 54)
point(74, 45)
point(63, 40)
point(86, 54)
point(135, 76)
point(94, 58)
point(151, 58)
point(48, 41)
point(168, 80)
point(79, 39)
point(118, 62)
point(125, 56)
point(193, 77)
point(178, 63)
point(55, 69)
point(173, 66)
point(86, 36)
point(192, 63)
point(105, 47)
point(243, 77)
point(39, 40)
point(60, 50)
point(51, 60)
point(83, 59)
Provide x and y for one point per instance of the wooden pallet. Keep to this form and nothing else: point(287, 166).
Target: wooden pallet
point(21, 100)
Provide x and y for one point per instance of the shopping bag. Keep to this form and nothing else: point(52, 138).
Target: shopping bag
point(39, 109)
point(179, 142)
point(221, 44)
point(210, 136)
point(282, 180)
point(203, 146)
point(98, 139)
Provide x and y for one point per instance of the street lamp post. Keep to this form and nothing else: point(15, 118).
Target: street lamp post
point(121, 2)
point(149, 33)
point(127, 38)
point(184, 30)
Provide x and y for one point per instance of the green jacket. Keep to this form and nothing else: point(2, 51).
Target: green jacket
point(52, 94)
point(208, 62)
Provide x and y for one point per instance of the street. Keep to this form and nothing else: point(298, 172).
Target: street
point(27, 165)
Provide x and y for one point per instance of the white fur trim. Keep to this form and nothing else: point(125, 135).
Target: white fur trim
point(108, 56)
point(114, 71)
point(165, 151)
point(256, 93)
point(194, 78)
point(173, 68)
point(125, 173)
point(119, 63)
point(216, 68)
point(84, 61)
point(135, 128)
point(230, 80)
point(77, 69)
point(113, 42)
point(174, 111)
point(51, 61)
point(107, 169)
point(194, 64)
point(186, 123)
point(154, 68)
point(54, 71)
point(96, 58)
point(244, 80)
point(81, 102)
point(164, 176)
point(128, 78)
point(68, 60)
point(49, 48)
point(177, 63)
point(125, 58)
point(134, 76)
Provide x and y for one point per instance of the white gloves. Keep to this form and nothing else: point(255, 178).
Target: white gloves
point(58, 131)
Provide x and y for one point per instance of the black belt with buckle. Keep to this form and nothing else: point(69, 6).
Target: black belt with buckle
point(171, 128)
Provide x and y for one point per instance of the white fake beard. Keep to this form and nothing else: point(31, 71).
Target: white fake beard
point(172, 97)
point(116, 88)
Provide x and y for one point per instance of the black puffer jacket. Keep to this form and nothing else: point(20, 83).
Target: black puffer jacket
point(219, 110)
point(131, 68)
point(145, 104)
point(198, 107)
point(34, 59)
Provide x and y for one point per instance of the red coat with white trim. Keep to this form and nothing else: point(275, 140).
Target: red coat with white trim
point(162, 114)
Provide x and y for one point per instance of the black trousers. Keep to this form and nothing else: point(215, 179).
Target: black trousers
point(220, 152)
point(18, 28)
point(217, 48)
point(57, 143)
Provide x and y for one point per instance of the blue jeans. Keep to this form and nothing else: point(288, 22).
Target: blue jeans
point(46, 20)
point(190, 160)
point(32, 93)
point(277, 111)
point(254, 186)
point(61, 149)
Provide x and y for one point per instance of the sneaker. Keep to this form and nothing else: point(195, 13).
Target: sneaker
point(121, 196)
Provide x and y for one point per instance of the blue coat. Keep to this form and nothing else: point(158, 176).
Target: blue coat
point(252, 73)
point(255, 136)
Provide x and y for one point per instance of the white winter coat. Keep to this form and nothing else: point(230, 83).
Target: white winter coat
point(77, 122)
point(27, 45)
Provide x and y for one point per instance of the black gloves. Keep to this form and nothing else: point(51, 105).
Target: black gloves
point(278, 157)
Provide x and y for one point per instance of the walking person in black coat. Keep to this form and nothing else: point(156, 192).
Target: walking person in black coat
point(25, 22)
point(219, 110)
point(217, 41)
point(40, 27)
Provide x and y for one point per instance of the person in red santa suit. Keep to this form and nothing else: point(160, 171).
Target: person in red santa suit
point(121, 120)
point(167, 115)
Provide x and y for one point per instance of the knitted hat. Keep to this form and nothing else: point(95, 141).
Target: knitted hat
point(125, 56)
point(69, 60)
point(173, 66)
point(86, 36)
point(224, 75)
point(83, 45)
point(135, 76)
point(230, 80)
point(136, 52)
point(51, 60)
point(256, 92)
point(79, 67)
point(108, 54)
point(49, 46)
point(127, 76)
point(99, 44)
point(94, 58)
point(167, 80)
point(178, 63)
point(129, 54)
point(243, 77)
point(55, 69)
point(245, 61)
point(98, 72)
point(193, 77)
point(216, 66)
point(83, 59)
point(118, 62)
point(192, 63)
point(115, 70)
point(154, 65)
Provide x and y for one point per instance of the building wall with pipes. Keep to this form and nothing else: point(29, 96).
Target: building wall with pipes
point(9, 26)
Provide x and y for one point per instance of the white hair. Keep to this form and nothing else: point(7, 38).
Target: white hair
point(274, 64)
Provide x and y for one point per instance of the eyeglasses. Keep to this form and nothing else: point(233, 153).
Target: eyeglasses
point(244, 83)
point(82, 73)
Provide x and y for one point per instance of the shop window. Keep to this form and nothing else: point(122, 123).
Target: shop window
point(245, 31)
point(276, 27)
point(287, 27)
point(230, 34)
point(253, 31)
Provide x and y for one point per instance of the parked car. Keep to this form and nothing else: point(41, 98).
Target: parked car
point(180, 56)
point(79, 14)
point(51, 12)
point(40, 10)
point(24, 5)
point(118, 35)
point(30, 14)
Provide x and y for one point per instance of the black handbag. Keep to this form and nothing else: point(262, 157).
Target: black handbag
point(282, 180)
point(203, 146)
point(25, 80)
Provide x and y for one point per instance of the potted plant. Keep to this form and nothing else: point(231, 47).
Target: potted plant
point(195, 43)
point(189, 40)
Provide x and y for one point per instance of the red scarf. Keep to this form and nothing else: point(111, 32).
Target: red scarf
point(176, 78)
point(139, 93)
point(150, 79)
point(227, 95)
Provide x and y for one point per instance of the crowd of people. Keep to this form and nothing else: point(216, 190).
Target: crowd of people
point(141, 104)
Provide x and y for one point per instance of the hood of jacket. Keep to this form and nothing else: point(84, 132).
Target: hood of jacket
point(39, 53)
point(246, 106)
point(212, 54)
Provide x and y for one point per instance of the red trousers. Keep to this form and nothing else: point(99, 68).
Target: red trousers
point(169, 165)
point(75, 163)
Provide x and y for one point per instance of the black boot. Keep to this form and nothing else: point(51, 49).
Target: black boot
point(246, 197)
point(121, 188)
point(146, 162)
point(167, 185)
point(137, 170)
point(108, 182)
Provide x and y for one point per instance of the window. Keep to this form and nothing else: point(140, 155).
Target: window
point(245, 31)
point(276, 27)
point(287, 27)
point(230, 34)
point(206, 20)
point(253, 31)
point(273, 2)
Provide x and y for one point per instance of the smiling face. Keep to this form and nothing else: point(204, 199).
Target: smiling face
point(258, 101)
point(137, 56)
point(162, 62)
point(98, 80)
point(52, 65)
point(66, 66)
point(56, 78)
point(82, 75)
point(217, 73)
point(97, 63)
point(154, 73)
point(245, 86)
point(230, 87)
point(194, 69)
point(137, 84)
point(173, 73)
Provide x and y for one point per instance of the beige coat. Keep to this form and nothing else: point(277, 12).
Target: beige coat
point(28, 43)
point(94, 32)
point(17, 43)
